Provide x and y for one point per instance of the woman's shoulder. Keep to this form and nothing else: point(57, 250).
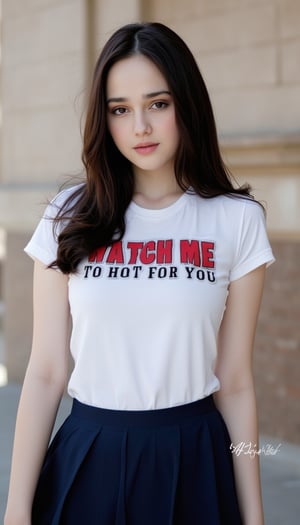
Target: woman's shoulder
point(67, 193)
point(233, 205)
point(241, 204)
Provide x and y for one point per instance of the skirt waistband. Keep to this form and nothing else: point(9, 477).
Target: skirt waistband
point(161, 416)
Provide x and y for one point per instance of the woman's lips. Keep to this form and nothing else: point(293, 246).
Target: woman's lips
point(145, 148)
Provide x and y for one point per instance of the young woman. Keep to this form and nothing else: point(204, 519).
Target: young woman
point(151, 271)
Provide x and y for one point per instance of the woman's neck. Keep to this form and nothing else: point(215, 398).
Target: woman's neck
point(156, 192)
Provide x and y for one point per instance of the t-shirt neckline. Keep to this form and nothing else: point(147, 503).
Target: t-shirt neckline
point(166, 211)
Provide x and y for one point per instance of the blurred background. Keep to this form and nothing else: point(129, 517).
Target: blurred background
point(249, 54)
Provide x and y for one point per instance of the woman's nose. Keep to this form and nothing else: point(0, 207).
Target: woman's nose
point(141, 124)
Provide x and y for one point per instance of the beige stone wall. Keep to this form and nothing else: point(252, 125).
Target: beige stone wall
point(42, 72)
point(43, 75)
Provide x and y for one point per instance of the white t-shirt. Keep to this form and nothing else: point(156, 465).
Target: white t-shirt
point(146, 311)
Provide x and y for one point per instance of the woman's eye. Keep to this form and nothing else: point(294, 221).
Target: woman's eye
point(118, 111)
point(159, 105)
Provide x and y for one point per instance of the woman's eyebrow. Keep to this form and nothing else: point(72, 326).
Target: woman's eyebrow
point(157, 93)
point(148, 95)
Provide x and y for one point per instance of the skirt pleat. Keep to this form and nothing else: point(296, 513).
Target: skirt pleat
point(160, 467)
point(153, 475)
point(64, 458)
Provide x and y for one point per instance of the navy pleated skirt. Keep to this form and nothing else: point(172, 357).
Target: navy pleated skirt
point(169, 466)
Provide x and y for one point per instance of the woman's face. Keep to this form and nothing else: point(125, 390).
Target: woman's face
point(141, 115)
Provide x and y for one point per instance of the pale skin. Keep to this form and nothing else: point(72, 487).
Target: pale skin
point(141, 118)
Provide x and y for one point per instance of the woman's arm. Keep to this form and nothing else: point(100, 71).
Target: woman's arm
point(42, 390)
point(236, 398)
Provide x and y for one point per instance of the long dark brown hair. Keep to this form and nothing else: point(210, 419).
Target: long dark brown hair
point(95, 211)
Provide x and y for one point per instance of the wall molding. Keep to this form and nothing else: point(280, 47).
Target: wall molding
point(273, 155)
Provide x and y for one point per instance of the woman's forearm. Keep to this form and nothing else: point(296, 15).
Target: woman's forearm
point(239, 412)
point(36, 415)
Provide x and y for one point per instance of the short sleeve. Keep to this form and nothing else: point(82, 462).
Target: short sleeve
point(43, 243)
point(253, 247)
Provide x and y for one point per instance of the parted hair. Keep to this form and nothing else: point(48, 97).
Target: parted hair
point(94, 213)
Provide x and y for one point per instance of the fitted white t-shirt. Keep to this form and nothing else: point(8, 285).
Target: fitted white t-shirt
point(146, 311)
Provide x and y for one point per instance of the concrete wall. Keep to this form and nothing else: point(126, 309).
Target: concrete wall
point(248, 52)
